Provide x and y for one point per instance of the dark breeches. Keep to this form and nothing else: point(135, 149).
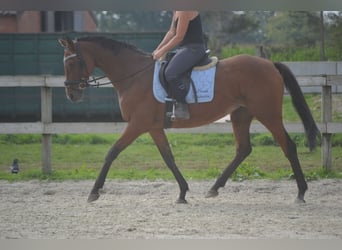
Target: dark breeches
point(184, 59)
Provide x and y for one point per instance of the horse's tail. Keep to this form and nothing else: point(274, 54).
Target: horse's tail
point(300, 104)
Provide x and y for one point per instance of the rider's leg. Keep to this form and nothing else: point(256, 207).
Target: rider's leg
point(184, 59)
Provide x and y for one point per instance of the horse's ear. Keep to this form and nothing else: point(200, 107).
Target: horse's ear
point(67, 44)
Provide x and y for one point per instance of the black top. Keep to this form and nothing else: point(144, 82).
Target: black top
point(194, 33)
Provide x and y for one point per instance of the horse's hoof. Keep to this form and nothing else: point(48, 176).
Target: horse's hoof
point(300, 200)
point(93, 197)
point(212, 193)
point(181, 201)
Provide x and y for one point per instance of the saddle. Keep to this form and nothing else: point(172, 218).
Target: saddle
point(181, 90)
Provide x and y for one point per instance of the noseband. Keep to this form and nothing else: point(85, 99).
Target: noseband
point(83, 81)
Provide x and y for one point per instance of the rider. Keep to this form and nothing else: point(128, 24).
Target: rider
point(185, 32)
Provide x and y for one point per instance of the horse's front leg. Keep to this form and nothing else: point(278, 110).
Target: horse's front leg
point(126, 139)
point(160, 139)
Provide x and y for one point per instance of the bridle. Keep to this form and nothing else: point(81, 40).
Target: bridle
point(83, 81)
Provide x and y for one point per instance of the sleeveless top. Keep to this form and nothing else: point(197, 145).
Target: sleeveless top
point(194, 33)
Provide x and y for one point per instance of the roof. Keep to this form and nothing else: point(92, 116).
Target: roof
point(7, 13)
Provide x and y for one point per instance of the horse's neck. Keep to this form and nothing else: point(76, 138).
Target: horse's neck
point(123, 68)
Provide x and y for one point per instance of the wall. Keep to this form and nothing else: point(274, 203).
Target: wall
point(8, 24)
point(29, 21)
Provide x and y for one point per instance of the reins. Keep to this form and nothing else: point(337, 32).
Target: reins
point(98, 84)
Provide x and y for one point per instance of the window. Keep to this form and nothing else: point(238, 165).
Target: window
point(64, 21)
point(57, 21)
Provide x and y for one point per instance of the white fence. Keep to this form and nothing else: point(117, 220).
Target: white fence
point(323, 74)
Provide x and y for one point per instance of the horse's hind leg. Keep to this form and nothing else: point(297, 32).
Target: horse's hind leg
point(290, 150)
point(160, 139)
point(241, 120)
point(296, 168)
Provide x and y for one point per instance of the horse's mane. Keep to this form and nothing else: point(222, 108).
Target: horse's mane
point(111, 44)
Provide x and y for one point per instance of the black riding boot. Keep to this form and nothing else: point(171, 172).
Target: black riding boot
point(182, 111)
point(178, 90)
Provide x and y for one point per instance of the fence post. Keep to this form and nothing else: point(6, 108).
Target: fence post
point(326, 118)
point(46, 117)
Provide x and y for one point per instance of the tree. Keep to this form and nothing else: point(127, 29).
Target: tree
point(258, 34)
point(133, 21)
point(214, 24)
point(294, 28)
point(228, 27)
point(335, 34)
point(242, 28)
point(322, 35)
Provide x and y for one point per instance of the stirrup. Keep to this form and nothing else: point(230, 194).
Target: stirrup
point(170, 108)
point(173, 115)
point(176, 110)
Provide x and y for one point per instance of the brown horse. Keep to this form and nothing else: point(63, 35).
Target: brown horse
point(246, 87)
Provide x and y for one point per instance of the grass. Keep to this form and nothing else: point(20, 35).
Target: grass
point(199, 156)
point(283, 54)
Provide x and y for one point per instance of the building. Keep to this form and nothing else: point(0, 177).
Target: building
point(47, 21)
point(29, 47)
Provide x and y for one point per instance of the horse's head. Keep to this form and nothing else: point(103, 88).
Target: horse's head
point(76, 70)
